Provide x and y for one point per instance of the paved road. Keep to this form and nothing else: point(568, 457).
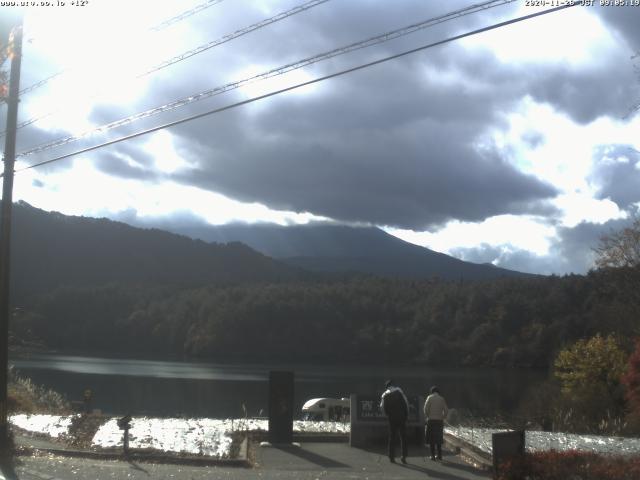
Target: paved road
point(339, 461)
point(310, 461)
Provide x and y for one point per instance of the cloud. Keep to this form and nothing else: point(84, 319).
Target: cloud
point(388, 163)
point(586, 94)
point(406, 144)
point(506, 256)
point(571, 251)
point(533, 139)
point(177, 220)
point(394, 145)
point(117, 164)
point(616, 173)
point(624, 19)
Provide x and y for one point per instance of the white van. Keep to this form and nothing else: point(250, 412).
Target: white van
point(326, 409)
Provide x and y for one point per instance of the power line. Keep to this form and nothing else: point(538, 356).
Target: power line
point(183, 15)
point(236, 34)
point(378, 39)
point(40, 83)
point(299, 85)
point(195, 51)
point(158, 27)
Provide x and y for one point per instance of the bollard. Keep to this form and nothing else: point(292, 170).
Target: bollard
point(124, 424)
point(87, 398)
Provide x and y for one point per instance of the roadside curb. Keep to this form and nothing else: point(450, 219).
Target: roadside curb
point(474, 455)
point(144, 456)
point(304, 437)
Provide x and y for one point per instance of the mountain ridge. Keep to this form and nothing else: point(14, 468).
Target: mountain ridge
point(339, 248)
point(50, 249)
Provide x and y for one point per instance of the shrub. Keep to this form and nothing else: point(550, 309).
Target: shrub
point(26, 397)
point(631, 382)
point(570, 465)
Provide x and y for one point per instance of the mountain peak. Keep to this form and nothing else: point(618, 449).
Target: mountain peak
point(330, 247)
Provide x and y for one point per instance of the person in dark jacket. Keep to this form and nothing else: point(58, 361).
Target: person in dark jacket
point(396, 407)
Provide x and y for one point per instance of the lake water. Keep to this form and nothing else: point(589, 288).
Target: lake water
point(200, 389)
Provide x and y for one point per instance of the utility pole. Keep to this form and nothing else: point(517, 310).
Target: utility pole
point(15, 44)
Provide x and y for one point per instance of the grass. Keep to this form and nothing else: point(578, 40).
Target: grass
point(24, 396)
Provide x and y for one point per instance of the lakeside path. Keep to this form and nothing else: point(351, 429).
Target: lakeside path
point(309, 461)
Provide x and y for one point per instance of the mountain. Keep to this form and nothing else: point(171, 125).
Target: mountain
point(340, 248)
point(51, 249)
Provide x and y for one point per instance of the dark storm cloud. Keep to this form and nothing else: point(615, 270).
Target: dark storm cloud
point(387, 146)
point(624, 20)
point(122, 166)
point(32, 137)
point(617, 174)
point(393, 161)
point(393, 144)
point(127, 160)
point(402, 144)
point(589, 93)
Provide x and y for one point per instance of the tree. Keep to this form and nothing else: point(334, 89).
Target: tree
point(595, 361)
point(618, 260)
point(590, 373)
point(620, 249)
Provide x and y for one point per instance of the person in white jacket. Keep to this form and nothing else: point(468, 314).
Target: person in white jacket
point(435, 412)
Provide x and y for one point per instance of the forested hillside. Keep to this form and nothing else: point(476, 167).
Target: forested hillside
point(51, 250)
point(513, 322)
point(103, 286)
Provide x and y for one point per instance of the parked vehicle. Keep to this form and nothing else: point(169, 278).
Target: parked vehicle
point(327, 409)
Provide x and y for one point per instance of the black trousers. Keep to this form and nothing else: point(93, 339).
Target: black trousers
point(397, 428)
point(434, 437)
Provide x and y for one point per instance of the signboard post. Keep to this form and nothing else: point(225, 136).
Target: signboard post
point(369, 423)
point(506, 445)
point(280, 407)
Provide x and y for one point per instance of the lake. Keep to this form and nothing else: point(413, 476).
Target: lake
point(201, 389)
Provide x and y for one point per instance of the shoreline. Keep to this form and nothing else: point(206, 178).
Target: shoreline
point(20, 353)
point(229, 440)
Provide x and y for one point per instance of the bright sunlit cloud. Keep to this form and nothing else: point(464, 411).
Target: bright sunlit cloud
point(549, 145)
point(575, 36)
point(528, 233)
point(99, 52)
point(278, 82)
point(579, 207)
point(84, 190)
point(160, 146)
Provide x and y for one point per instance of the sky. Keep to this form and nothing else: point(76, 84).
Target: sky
point(519, 146)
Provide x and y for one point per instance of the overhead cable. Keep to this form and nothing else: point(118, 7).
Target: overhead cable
point(378, 39)
point(183, 15)
point(299, 85)
point(197, 50)
point(236, 34)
